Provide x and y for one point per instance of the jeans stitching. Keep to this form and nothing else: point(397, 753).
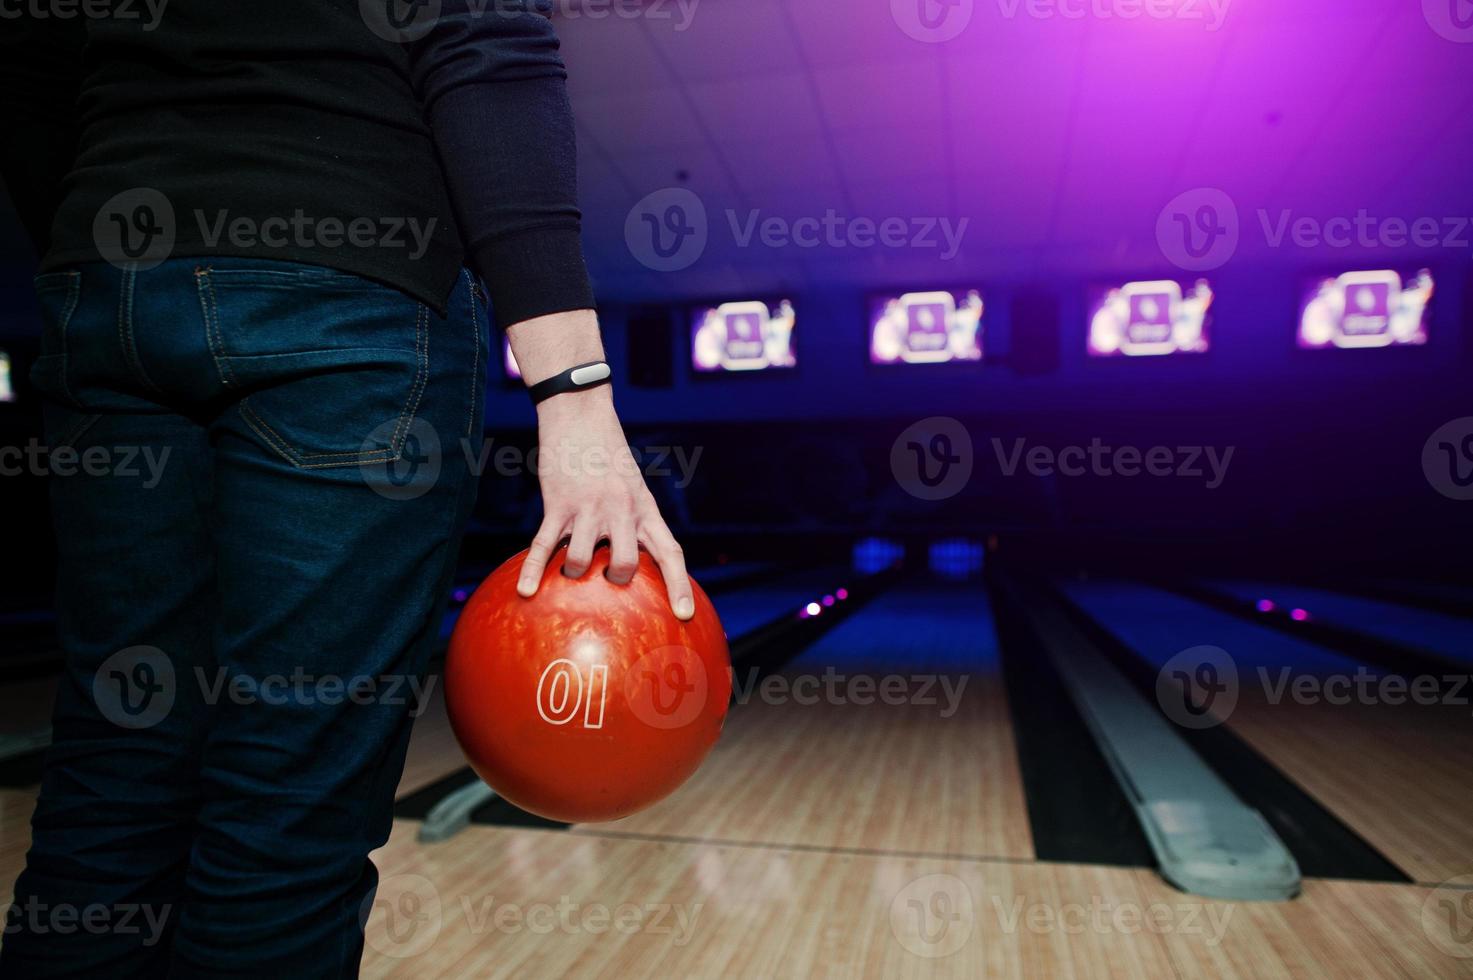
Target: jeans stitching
point(75, 432)
point(69, 307)
point(351, 457)
point(470, 415)
point(210, 307)
point(284, 449)
point(125, 330)
point(421, 381)
point(283, 279)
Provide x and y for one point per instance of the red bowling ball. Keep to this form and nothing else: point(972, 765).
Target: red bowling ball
point(589, 701)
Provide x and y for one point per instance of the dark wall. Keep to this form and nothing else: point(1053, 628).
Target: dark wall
point(1253, 359)
point(1326, 465)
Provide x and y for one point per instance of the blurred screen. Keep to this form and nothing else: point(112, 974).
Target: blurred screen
point(7, 391)
point(925, 327)
point(1382, 308)
point(1143, 319)
point(746, 336)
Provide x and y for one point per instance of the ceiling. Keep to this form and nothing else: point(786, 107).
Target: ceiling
point(1058, 139)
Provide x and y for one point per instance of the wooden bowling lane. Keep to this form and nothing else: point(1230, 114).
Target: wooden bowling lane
point(16, 806)
point(1438, 634)
point(816, 758)
point(501, 902)
point(433, 751)
point(1399, 775)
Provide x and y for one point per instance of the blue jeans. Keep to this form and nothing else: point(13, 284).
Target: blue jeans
point(259, 485)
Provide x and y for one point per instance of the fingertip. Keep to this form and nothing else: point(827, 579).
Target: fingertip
point(685, 607)
point(526, 588)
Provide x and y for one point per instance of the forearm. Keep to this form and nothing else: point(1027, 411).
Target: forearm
point(547, 345)
point(492, 89)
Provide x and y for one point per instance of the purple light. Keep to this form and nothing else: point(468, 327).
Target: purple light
point(926, 327)
point(813, 609)
point(745, 336)
point(802, 613)
point(1366, 309)
point(1265, 605)
point(461, 595)
point(842, 594)
point(828, 600)
point(1298, 615)
point(1138, 319)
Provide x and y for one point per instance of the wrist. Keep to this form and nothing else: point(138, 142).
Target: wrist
point(587, 403)
point(549, 344)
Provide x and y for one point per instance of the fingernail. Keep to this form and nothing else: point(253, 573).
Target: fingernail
point(526, 588)
point(685, 607)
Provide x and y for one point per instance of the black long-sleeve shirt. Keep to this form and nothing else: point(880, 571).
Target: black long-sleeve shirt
point(301, 130)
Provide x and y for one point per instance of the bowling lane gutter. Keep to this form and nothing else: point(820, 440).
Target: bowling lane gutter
point(769, 647)
point(1077, 812)
point(1396, 658)
point(1323, 845)
point(1402, 595)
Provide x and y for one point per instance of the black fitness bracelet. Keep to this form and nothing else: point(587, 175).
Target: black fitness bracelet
point(579, 378)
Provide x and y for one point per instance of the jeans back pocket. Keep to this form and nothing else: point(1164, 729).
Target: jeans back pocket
point(325, 369)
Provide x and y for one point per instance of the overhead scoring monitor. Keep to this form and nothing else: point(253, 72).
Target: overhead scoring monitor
point(1144, 319)
point(1380, 308)
point(930, 327)
point(750, 335)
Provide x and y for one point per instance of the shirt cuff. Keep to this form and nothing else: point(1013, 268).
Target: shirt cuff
point(534, 273)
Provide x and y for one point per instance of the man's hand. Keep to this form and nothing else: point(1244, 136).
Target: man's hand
point(592, 488)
